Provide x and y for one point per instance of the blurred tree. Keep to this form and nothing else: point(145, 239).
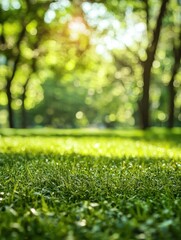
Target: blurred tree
point(176, 45)
point(79, 63)
point(147, 64)
point(16, 23)
point(142, 11)
point(11, 50)
point(24, 93)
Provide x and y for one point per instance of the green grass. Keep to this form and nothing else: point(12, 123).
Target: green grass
point(79, 184)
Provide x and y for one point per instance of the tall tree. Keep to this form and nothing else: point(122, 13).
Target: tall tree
point(171, 88)
point(11, 77)
point(142, 10)
point(11, 43)
point(24, 96)
point(147, 66)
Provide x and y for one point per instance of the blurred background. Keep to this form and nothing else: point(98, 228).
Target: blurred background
point(105, 64)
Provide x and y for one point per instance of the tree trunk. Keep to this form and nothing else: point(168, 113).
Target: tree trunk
point(23, 111)
point(10, 78)
point(10, 110)
point(25, 86)
point(171, 109)
point(171, 88)
point(144, 103)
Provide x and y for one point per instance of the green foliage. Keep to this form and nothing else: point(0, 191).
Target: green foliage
point(87, 57)
point(90, 184)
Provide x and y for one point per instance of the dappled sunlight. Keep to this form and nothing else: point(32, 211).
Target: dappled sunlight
point(77, 27)
point(114, 145)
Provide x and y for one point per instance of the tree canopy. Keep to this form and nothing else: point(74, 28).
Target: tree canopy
point(90, 63)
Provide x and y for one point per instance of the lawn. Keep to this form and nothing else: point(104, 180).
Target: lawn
point(80, 184)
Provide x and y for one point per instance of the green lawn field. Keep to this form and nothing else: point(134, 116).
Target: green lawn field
point(90, 184)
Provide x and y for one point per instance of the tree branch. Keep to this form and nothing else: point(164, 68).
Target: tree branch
point(20, 39)
point(156, 33)
point(147, 9)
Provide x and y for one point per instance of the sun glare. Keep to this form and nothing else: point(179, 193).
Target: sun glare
point(77, 27)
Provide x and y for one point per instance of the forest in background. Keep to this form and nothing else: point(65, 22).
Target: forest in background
point(69, 64)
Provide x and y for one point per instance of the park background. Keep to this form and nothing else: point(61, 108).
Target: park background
point(77, 64)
